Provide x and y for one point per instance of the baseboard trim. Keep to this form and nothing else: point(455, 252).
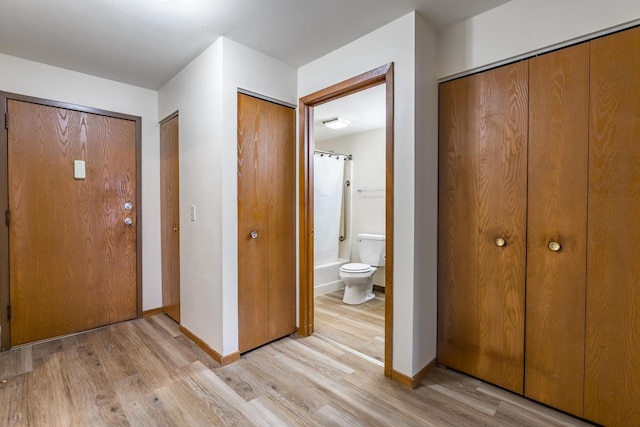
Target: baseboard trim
point(412, 382)
point(223, 360)
point(152, 312)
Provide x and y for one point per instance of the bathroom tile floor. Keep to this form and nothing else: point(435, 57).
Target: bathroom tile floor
point(359, 327)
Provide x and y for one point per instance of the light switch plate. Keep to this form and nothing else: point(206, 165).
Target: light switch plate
point(79, 169)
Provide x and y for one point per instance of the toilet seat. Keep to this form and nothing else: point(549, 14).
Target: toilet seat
point(355, 267)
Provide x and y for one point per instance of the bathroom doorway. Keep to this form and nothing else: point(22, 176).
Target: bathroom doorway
point(349, 211)
point(366, 326)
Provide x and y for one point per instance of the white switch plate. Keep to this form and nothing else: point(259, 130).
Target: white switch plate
point(79, 169)
point(193, 212)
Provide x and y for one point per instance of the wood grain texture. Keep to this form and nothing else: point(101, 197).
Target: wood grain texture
point(72, 260)
point(612, 389)
point(482, 196)
point(170, 216)
point(383, 74)
point(266, 204)
point(557, 211)
point(145, 372)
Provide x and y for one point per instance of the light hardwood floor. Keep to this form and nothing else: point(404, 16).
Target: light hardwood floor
point(360, 327)
point(146, 373)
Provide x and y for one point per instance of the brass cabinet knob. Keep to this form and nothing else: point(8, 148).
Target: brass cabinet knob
point(175, 228)
point(500, 242)
point(554, 246)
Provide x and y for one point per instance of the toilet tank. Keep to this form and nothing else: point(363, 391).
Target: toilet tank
point(371, 248)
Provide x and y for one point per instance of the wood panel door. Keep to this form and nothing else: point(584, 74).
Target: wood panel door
point(612, 368)
point(266, 222)
point(170, 217)
point(482, 199)
point(557, 212)
point(72, 256)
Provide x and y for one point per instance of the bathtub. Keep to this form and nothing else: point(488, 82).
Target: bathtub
point(326, 277)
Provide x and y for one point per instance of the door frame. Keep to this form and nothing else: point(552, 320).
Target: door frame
point(5, 339)
point(377, 76)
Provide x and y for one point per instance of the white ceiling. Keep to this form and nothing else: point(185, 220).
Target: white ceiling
point(146, 42)
point(366, 110)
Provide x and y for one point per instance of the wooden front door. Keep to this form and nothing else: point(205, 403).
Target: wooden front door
point(266, 222)
point(482, 224)
point(72, 241)
point(170, 217)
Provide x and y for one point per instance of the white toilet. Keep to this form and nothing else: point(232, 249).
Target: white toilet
point(358, 277)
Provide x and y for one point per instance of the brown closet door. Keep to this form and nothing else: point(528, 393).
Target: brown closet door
point(266, 222)
point(612, 377)
point(483, 197)
point(170, 217)
point(72, 257)
point(556, 280)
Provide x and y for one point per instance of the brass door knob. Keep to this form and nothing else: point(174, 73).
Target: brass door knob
point(500, 242)
point(554, 246)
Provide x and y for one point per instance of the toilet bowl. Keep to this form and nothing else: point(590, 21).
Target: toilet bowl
point(358, 277)
point(358, 280)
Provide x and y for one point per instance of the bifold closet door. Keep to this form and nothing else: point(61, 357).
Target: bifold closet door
point(482, 224)
point(612, 368)
point(266, 222)
point(557, 221)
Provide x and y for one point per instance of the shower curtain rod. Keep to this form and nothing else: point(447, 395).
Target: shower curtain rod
point(348, 156)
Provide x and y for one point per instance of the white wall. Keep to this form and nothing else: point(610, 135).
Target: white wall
point(43, 81)
point(205, 93)
point(394, 42)
point(197, 93)
point(426, 194)
point(523, 26)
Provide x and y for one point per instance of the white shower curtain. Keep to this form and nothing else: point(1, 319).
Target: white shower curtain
point(328, 175)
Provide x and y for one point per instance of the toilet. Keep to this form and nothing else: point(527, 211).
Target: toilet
point(358, 277)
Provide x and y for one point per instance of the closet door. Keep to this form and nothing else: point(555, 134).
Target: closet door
point(612, 377)
point(556, 237)
point(482, 224)
point(266, 222)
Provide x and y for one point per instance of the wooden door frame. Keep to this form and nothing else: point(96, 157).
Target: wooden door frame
point(377, 76)
point(5, 339)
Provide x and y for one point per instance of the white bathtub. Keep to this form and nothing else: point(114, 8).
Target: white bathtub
point(326, 277)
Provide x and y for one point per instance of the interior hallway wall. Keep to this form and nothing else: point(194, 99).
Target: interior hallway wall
point(413, 332)
point(30, 78)
point(205, 93)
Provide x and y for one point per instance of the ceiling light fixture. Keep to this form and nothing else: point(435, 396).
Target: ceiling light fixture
point(336, 123)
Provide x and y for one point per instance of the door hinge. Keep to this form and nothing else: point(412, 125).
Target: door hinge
point(9, 312)
point(7, 216)
point(6, 120)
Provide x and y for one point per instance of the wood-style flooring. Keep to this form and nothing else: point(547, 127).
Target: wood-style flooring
point(146, 373)
point(360, 327)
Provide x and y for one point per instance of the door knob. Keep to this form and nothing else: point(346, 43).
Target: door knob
point(500, 242)
point(128, 221)
point(554, 246)
point(175, 228)
point(254, 234)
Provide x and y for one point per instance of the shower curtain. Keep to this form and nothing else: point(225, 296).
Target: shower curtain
point(328, 175)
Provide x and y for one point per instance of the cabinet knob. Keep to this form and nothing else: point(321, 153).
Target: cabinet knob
point(554, 246)
point(254, 234)
point(500, 242)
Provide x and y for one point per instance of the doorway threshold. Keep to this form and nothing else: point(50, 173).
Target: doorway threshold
point(350, 350)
